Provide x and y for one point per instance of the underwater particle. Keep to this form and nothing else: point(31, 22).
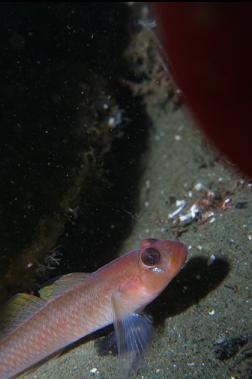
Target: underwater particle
point(191, 215)
point(227, 203)
point(115, 120)
point(185, 288)
point(212, 259)
point(199, 187)
point(94, 371)
point(212, 312)
point(147, 183)
point(180, 204)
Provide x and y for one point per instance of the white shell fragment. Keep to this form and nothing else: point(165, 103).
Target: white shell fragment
point(94, 371)
point(180, 204)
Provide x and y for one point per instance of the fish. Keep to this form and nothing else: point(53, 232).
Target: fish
point(33, 328)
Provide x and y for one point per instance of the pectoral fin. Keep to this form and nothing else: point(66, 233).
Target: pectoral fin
point(133, 335)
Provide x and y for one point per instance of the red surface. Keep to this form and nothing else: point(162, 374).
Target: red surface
point(209, 46)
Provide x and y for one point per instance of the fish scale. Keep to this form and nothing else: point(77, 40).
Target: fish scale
point(32, 341)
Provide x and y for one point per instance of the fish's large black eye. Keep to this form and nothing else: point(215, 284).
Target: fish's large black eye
point(151, 257)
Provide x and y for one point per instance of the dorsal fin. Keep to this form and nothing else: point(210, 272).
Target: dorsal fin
point(63, 284)
point(18, 309)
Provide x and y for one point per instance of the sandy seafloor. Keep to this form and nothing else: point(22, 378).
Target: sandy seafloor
point(210, 301)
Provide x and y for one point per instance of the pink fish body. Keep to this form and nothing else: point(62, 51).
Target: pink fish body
point(33, 328)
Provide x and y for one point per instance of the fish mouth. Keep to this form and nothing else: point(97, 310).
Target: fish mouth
point(180, 255)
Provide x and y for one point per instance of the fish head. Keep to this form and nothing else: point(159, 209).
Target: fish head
point(159, 262)
point(148, 271)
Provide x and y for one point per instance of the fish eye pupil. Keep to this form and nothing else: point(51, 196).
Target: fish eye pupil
point(151, 257)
